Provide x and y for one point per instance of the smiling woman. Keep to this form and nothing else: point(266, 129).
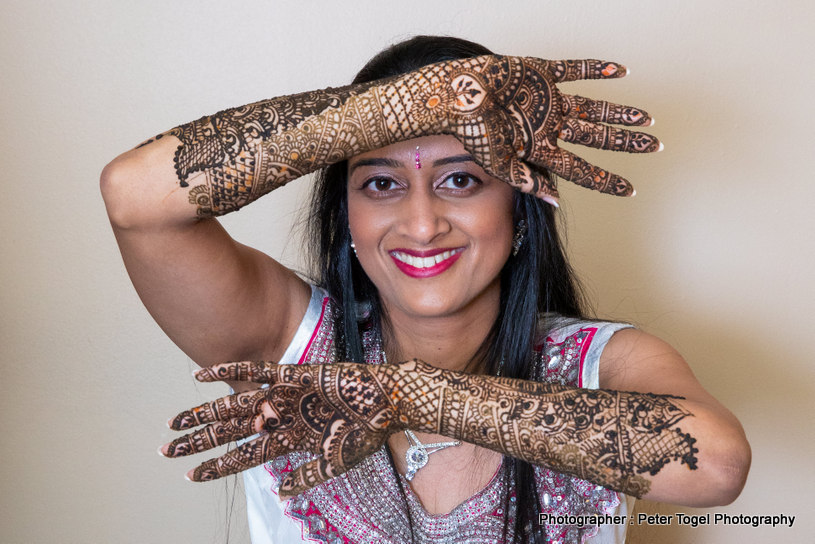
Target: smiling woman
point(404, 219)
point(438, 381)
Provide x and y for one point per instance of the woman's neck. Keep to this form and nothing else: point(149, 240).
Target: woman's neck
point(448, 342)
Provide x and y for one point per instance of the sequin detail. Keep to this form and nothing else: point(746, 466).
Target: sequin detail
point(366, 505)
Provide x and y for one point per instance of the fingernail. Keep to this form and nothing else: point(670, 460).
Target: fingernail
point(661, 147)
point(627, 70)
point(160, 451)
point(634, 193)
point(187, 476)
point(653, 122)
point(551, 201)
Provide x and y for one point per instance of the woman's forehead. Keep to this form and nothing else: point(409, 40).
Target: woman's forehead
point(427, 148)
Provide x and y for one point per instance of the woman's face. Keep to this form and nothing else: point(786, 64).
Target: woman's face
point(433, 239)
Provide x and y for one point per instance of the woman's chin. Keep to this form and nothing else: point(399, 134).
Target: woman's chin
point(420, 309)
point(441, 303)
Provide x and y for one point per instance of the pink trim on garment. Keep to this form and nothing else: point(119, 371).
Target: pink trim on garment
point(314, 334)
point(319, 528)
point(305, 518)
point(586, 342)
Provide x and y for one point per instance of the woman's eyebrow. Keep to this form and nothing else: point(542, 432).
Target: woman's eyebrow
point(465, 157)
point(391, 163)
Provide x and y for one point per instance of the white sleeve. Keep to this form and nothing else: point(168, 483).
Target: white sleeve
point(266, 513)
point(590, 379)
point(590, 372)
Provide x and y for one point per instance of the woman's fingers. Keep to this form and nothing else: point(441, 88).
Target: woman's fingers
point(243, 371)
point(573, 70)
point(528, 179)
point(572, 168)
point(215, 434)
point(535, 181)
point(240, 404)
point(601, 111)
point(243, 457)
point(607, 137)
point(305, 477)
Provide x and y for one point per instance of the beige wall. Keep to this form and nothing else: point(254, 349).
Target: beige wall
point(715, 253)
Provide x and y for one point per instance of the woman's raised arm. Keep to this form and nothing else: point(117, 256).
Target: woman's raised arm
point(219, 300)
point(215, 298)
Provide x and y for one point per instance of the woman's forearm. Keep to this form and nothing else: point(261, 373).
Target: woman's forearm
point(222, 162)
point(622, 440)
point(240, 154)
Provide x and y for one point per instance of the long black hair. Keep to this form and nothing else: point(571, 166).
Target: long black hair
point(534, 282)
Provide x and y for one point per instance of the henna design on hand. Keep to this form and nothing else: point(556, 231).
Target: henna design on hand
point(506, 111)
point(344, 412)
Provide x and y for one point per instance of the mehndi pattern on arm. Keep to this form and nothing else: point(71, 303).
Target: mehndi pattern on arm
point(507, 112)
point(613, 438)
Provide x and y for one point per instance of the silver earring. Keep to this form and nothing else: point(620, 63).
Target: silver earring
point(354, 247)
point(518, 239)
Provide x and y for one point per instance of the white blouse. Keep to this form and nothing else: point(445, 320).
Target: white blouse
point(366, 504)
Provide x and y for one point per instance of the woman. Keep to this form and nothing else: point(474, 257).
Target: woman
point(436, 246)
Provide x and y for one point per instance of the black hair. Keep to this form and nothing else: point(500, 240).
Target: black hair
point(536, 281)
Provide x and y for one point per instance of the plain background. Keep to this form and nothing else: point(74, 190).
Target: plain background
point(715, 253)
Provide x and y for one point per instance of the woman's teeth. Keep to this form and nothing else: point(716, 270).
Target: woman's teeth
point(424, 262)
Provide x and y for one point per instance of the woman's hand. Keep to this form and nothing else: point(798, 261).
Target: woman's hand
point(509, 114)
point(342, 412)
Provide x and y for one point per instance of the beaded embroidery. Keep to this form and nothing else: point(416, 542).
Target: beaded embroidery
point(366, 504)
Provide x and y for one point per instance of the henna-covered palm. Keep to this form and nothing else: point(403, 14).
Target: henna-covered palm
point(507, 112)
point(342, 412)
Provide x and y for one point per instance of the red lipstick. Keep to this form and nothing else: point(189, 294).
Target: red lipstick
point(425, 263)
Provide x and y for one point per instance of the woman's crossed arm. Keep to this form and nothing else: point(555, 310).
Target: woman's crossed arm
point(682, 447)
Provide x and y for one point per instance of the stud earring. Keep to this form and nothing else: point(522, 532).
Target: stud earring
point(354, 247)
point(518, 239)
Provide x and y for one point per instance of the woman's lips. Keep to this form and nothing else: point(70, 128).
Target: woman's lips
point(427, 263)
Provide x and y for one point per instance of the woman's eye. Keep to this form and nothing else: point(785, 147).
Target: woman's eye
point(460, 181)
point(380, 185)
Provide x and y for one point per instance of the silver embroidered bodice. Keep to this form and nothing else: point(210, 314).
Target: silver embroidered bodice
point(368, 505)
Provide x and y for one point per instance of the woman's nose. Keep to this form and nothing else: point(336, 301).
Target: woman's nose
point(422, 217)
